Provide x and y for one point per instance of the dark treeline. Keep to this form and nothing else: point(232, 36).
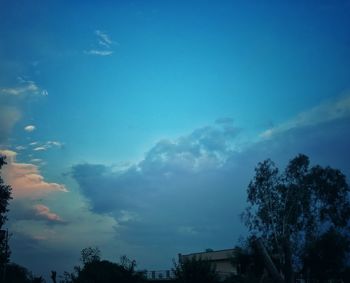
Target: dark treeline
point(298, 221)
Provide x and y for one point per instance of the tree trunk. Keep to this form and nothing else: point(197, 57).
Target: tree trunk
point(270, 266)
point(53, 276)
point(288, 266)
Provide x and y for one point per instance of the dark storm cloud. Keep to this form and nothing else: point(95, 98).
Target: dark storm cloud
point(179, 191)
point(188, 194)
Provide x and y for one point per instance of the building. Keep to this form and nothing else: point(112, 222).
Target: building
point(221, 259)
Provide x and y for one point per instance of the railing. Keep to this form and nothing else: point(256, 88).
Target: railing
point(159, 275)
point(169, 275)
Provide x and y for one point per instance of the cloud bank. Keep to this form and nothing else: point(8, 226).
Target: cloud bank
point(187, 194)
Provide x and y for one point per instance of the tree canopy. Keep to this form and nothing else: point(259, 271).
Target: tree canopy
point(195, 270)
point(103, 271)
point(294, 209)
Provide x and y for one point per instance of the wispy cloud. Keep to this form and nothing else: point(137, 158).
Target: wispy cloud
point(104, 45)
point(40, 148)
point(99, 52)
point(36, 160)
point(25, 87)
point(103, 38)
point(326, 112)
point(20, 147)
point(45, 145)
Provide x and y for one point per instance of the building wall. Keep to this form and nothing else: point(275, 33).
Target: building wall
point(221, 259)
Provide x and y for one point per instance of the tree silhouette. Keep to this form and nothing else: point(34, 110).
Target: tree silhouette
point(195, 270)
point(5, 196)
point(90, 254)
point(326, 257)
point(19, 274)
point(102, 271)
point(293, 209)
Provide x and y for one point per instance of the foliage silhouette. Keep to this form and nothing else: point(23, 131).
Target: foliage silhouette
point(250, 267)
point(195, 270)
point(90, 254)
point(5, 196)
point(326, 257)
point(293, 209)
point(102, 271)
point(19, 274)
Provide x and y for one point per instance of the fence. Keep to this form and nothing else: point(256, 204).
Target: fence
point(160, 275)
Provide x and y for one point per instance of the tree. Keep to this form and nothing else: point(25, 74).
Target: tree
point(103, 271)
point(293, 209)
point(19, 274)
point(325, 257)
point(90, 254)
point(5, 196)
point(249, 265)
point(195, 270)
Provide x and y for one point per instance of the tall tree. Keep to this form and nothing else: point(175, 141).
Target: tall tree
point(5, 196)
point(292, 209)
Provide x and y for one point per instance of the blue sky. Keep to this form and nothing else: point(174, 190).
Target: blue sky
point(146, 118)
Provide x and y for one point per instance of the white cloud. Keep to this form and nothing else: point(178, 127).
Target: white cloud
point(24, 87)
point(29, 128)
point(46, 145)
point(20, 147)
point(99, 52)
point(36, 160)
point(104, 45)
point(54, 143)
point(326, 112)
point(127, 216)
point(40, 148)
point(103, 38)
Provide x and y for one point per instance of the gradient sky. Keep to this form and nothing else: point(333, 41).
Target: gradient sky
point(135, 126)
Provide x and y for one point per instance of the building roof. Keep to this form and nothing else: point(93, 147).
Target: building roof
point(211, 255)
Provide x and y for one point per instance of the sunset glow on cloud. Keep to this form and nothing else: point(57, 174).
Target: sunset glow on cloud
point(26, 180)
point(44, 211)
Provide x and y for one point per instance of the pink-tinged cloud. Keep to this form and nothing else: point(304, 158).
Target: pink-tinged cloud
point(25, 179)
point(45, 213)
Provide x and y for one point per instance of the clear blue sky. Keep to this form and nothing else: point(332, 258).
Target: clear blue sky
point(123, 96)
